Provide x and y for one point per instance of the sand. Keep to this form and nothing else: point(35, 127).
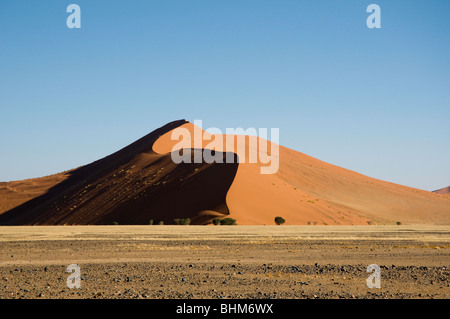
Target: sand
point(225, 261)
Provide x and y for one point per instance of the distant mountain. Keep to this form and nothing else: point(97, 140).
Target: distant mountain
point(444, 191)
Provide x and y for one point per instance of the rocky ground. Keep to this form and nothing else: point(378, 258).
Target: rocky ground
point(186, 281)
point(193, 267)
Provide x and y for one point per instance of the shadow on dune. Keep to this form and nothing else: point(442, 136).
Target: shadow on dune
point(132, 186)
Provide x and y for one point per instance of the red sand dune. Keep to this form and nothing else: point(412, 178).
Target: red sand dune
point(308, 191)
point(141, 182)
point(130, 186)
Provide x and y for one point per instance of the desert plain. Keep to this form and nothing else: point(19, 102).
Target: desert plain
point(229, 262)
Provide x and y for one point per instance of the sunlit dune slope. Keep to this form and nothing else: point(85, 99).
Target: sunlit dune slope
point(306, 190)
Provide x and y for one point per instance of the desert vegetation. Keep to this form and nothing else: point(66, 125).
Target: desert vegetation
point(224, 221)
point(182, 221)
point(279, 220)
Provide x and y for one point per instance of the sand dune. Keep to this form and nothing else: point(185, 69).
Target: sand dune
point(130, 186)
point(443, 191)
point(15, 193)
point(141, 182)
point(306, 190)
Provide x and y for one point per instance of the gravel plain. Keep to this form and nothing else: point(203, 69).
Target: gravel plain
point(224, 262)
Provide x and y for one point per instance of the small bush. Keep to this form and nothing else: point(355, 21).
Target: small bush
point(182, 221)
point(399, 223)
point(216, 221)
point(161, 222)
point(115, 223)
point(185, 221)
point(151, 222)
point(228, 221)
point(279, 220)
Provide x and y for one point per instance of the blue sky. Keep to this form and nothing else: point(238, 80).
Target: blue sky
point(376, 101)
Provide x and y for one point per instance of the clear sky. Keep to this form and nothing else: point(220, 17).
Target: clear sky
point(376, 101)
